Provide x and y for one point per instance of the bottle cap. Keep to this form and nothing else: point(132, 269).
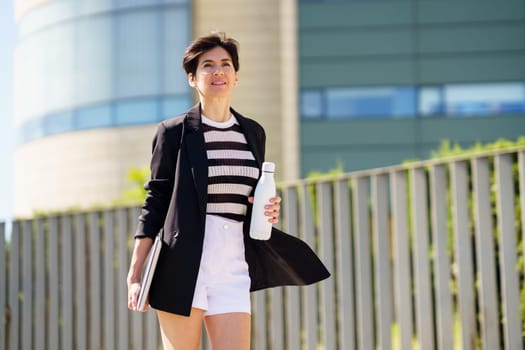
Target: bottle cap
point(268, 167)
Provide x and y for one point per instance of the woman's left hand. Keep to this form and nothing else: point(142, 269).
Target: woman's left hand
point(272, 209)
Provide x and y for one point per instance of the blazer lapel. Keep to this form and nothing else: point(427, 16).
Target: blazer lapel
point(196, 151)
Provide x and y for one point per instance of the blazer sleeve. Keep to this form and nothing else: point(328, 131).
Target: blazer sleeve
point(165, 147)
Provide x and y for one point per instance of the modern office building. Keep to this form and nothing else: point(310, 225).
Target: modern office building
point(364, 83)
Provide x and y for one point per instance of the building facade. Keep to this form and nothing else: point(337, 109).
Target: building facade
point(360, 83)
point(94, 77)
point(385, 81)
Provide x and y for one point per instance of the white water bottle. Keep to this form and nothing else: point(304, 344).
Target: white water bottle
point(260, 227)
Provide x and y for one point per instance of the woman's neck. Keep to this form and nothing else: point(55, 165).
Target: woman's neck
point(218, 111)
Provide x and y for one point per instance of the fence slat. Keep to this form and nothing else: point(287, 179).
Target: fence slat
point(325, 234)
point(14, 288)
point(309, 292)
point(383, 286)
point(259, 320)
point(365, 326)
point(53, 330)
point(438, 200)
point(152, 329)
point(490, 334)
point(424, 312)
point(137, 318)
point(108, 268)
point(344, 265)
point(81, 320)
point(402, 275)
point(3, 287)
point(292, 304)
point(67, 283)
point(463, 253)
point(95, 291)
point(276, 318)
point(40, 286)
point(521, 176)
point(27, 285)
point(507, 243)
point(123, 312)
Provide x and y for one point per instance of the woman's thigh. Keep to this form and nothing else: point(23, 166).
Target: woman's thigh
point(229, 331)
point(181, 332)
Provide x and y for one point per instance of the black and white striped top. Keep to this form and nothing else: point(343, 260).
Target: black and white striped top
point(232, 169)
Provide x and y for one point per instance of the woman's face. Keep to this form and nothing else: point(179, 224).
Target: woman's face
point(215, 75)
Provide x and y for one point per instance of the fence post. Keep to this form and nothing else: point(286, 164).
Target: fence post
point(123, 261)
point(293, 314)
point(81, 255)
point(485, 254)
point(507, 243)
point(67, 283)
point(95, 295)
point(108, 269)
point(402, 275)
point(54, 280)
point(438, 200)
point(344, 262)
point(365, 325)
point(3, 287)
point(383, 285)
point(310, 292)
point(424, 310)
point(326, 249)
point(14, 288)
point(27, 285)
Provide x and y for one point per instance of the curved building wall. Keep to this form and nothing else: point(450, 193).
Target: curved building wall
point(92, 78)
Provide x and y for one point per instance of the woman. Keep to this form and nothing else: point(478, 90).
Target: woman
point(204, 168)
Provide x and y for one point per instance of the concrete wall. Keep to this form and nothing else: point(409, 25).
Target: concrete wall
point(79, 169)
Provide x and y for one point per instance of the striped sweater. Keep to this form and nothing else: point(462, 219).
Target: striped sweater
point(232, 169)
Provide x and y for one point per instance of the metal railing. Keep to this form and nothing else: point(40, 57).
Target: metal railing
point(423, 255)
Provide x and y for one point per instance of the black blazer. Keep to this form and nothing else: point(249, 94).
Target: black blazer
point(181, 212)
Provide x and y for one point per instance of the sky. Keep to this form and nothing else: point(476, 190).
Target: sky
point(7, 43)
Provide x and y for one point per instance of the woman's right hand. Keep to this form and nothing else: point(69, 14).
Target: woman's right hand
point(133, 295)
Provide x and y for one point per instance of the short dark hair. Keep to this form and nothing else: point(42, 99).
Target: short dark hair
point(206, 43)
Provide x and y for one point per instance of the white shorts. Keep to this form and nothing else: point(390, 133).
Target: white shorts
point(223, 283)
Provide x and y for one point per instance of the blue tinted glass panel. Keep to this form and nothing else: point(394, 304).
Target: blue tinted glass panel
point(311, 104)
point(430, 101)
point(57, 123)
point(404, 102)
point(173, 106)
point(175, 37)
point(31, 130)
point(484, 99)
point(137, 112)
point(93, 117)
point(370, 102)
point(138, 67)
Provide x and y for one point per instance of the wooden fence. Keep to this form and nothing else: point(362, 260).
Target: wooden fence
point(427, 255)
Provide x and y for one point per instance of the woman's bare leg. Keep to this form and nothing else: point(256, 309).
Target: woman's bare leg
point(181, 332)
point(230, 331)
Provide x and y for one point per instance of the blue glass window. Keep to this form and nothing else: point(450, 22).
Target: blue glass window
point(57, 123)
point(93, 117)
point(173, 106)
point(311, 104)
point(137, 111)
point(472, 99)
point(370, 102)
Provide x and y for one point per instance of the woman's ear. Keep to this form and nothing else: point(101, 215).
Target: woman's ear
point(191, 79)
